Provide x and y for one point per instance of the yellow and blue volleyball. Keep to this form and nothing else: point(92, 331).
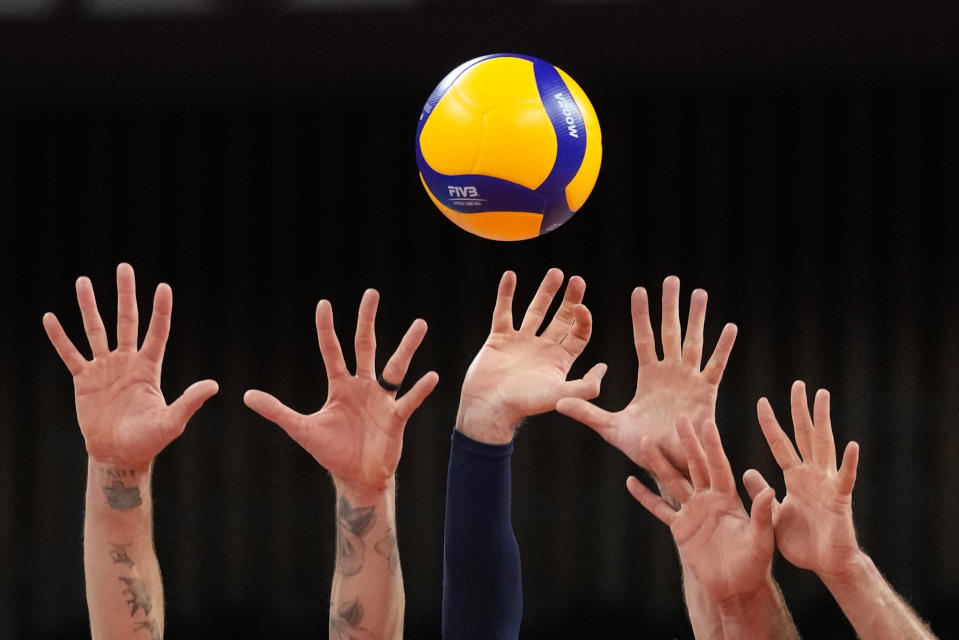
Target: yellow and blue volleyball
point(508, 146)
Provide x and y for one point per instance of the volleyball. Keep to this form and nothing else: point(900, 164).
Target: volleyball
point(508, 146)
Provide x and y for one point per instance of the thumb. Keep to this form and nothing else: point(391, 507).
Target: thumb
point(190, 402)
point(587, 387)
point(761, 519)
point(754, 483)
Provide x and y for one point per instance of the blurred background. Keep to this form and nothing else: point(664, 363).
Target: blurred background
point(798, 160)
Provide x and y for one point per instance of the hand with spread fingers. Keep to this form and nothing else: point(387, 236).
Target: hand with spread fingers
point(518, 373)
point(667, 388)
point(814, 528)
point(358, 433)
point(125, 423)
point(121, 410)
point(729, 551)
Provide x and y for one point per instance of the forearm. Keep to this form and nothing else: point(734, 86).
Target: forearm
point(124, 589)
point(869, 602)
point(367, 600)
point(704, 615)
point(760, 615)
point(482, 578)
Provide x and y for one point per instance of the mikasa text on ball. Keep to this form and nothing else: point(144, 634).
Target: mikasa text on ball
point(508, 146)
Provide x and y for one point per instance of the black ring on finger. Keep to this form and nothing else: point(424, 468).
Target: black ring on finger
point(389, 386)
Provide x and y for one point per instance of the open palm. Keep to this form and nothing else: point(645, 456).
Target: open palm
point(358, 433)
point(667, 388)
point(728, 550)
point(813, 524)
point(518, 373)
point(121, 410)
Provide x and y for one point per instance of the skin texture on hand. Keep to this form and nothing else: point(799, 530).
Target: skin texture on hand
point(122, 413)
point(357, 435)
point(665, 388)
point(518, 373)
point(813, 524)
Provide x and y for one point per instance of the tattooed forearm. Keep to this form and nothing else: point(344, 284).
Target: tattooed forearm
point(119, 496)
point(345, 622)
point(352, 524)
point(151, 626)
point(386, 547)
point(118, 553)
point(139, 598)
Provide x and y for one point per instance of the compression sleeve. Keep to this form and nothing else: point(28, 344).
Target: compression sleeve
point(482, 578)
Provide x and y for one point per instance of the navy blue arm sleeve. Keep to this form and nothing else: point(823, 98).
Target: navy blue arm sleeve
point(482, 578)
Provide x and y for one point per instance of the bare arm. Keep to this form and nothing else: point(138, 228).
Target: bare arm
point(665, 389)
point(726, 549)
point(814, 525)
point(358, 436)
point(125, 423)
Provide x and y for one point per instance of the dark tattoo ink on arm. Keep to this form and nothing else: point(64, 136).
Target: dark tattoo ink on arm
point(118, 553)
point(119, 496)
point(386, 547)
point(345, 622)
point(351, 525)
point(151, 626)
point(139, 598)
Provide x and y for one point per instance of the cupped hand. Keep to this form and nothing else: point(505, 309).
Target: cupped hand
point(121, 410)
point(518, 373)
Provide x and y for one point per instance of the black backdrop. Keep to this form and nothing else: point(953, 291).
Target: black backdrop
point(801, 163)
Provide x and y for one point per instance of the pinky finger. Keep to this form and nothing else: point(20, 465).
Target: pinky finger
point(848, 468)
point(650, 501)
point(65, 348)
point(413, 398)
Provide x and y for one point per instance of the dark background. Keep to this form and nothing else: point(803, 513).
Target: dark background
point(798, 160)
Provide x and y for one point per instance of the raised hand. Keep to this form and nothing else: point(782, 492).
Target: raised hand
point(813, 524)
point(518, 373)
point(728, 550)
point(667, 388)
point(123, 416)
point(358, 433)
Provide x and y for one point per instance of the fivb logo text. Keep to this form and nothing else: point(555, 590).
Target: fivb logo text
point(567, 109)
point(463, 192)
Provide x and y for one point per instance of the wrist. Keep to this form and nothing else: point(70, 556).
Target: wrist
point(486, 422)
point(738, 604)
point(359, 493)
point(851, 571)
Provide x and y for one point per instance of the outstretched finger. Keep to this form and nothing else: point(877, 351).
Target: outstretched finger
point(695, 456)
point(693, 343)
point(579, 334)
point(275, 411)
point(671, 330)
point(847, 471)
point(413, 398)
point(127, 318)
point(365, 339)
point(588, 386)
point(503, 311)
point(652, 458)
point(154, 344)
point(563, 318)
point(782, 449)
point(92, 323)
point(802, 421)
point(183, 408)
point(537, 309)
point(652, 502)
point(720, 472)
point(330, 349)
point(754, 483)
point(599, 420)
point(64, 346)
point(398, 364)
point(643, 336)
point(761, 520)
point(824, 445)
point(716, 366)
